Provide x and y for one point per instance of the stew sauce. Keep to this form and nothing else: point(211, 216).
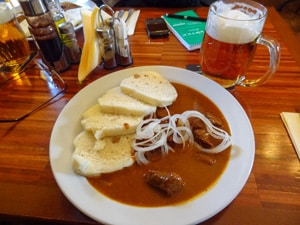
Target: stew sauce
point(196, 169)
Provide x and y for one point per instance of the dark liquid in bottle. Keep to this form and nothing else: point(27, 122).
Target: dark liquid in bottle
point(51, 48)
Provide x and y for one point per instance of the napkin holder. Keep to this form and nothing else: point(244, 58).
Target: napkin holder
point(106, 41)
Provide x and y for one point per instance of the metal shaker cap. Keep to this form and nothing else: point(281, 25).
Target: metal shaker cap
point(33, 7)
point(104, 32)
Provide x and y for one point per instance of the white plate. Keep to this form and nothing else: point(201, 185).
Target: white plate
point(102, 209)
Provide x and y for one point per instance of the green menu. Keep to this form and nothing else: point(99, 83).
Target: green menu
point(189, 32)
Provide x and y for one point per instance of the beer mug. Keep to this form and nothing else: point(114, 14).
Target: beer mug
point(233, 31)
point(14, 47)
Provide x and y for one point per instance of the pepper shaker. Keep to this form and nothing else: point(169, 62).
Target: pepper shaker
point(107, 43)
point(106, 39)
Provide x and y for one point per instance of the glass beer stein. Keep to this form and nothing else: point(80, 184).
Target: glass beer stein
point(233, 31)
point(14, 47)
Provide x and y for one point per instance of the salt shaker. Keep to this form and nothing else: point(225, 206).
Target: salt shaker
point(68, 37)
point(107, 43)
point(123, 52)
point(106, 38)
point(44, 33)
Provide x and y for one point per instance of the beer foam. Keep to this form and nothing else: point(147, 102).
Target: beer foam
point(5, 13)
point(233, 25)
point(248, 10)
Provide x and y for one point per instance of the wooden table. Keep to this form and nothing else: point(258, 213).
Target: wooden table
point(28, 191)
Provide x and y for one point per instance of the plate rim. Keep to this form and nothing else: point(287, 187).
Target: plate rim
point(140, 211)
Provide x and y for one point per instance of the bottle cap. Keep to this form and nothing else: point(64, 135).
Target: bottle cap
point(33, 7)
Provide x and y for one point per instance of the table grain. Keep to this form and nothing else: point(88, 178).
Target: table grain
point(29, 193)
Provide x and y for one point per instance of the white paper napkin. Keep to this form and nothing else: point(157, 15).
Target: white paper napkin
point(73, 16)
point(292, 124)
point(131, 23)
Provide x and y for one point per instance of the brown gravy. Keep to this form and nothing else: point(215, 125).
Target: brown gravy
point(128, 185)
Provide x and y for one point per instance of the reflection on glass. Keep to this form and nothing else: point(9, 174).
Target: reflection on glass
point(28, 92)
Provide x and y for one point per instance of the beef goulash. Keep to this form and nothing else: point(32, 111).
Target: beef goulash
point(149, 142)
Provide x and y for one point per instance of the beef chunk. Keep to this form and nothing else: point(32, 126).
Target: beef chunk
point(216, 121)
point(197, 124)
point(168, 182)
point(203, 138)
point(200, 133)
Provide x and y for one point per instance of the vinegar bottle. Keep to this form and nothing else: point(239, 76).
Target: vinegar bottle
point(56, 12)
point(44, 33)
point(68, 37)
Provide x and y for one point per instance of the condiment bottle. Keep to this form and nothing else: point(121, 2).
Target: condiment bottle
point(44, 33)
point(56, 12)
point(68, 37)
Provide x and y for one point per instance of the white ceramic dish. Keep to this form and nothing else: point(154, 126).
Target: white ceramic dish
point(104, 210)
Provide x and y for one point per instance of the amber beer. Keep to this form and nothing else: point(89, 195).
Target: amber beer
point(233, 30)
point(225, 62)
point(14, 47)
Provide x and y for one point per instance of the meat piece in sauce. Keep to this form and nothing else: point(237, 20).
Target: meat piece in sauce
point(197, 124)
point(168, 182)
point(216, 121)
point(200, 133)
point(203, 138)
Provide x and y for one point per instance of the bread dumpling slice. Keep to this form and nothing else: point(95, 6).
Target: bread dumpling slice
point(149, 87)
point(93, 157)
point(116, 102)
point(106, 125)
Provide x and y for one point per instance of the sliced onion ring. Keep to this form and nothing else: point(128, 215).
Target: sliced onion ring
point(153, 134)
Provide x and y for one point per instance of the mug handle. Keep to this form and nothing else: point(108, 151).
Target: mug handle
point(274, 52)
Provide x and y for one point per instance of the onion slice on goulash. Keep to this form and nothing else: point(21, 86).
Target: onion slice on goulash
point(154, 133)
